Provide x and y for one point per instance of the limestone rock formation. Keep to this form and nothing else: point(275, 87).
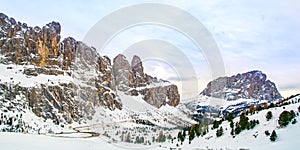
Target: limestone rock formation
point(65, 80)
point(130, 78)
point(41, 52)
point(250, 85)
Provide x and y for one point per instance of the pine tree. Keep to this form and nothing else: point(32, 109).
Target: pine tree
point(230, 117)
point(169, 137)
point(180, 136)
point(191, 135)
point(273, 136)
point(142, 139)
point(137, 139)
point(219, 132)
point(198, 130)
point(237, 129)
point(127, 139)
point(244, 122)
point(216, 124)
point(231, 124)
point(269, 115)
point(161, 137)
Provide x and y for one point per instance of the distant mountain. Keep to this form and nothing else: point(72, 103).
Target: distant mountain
point(249, 85)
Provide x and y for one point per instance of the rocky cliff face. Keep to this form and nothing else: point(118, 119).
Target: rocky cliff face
point(132, 80)
point(250, 85)
point(41, 53)
point(66, 80)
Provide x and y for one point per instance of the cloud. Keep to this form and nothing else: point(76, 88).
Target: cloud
point(251, 35)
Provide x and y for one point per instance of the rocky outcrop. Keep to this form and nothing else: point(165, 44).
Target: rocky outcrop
point(132, 80)
point(22, 44)
point(41, 52)
point(122, 73)
point(250, 85)
point(138, 72)
point(161, 95)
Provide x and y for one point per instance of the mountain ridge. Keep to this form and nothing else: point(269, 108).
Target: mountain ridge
point(65, 80)
point(250, 85)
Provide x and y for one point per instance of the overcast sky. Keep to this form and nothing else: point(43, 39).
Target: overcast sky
point(250, 34)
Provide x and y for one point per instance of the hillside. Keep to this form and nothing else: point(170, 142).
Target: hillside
point(248, 139)
point(254, 138)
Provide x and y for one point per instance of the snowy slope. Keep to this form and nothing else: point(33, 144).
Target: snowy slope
point(17, 141)
point(287, 137)
point(15, 75)
point(220, 107)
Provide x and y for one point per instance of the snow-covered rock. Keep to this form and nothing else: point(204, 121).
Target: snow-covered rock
point(249, 85)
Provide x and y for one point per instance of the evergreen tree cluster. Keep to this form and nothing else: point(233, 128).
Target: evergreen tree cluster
point(216, 124)
point(12, 124)
point(139, 140)
point(286, 117)
point(243, 124)
point(198, 129)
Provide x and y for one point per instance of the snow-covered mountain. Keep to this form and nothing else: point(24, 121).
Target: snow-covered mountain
point(234, 95)
point(249, 85)
point(67, 82)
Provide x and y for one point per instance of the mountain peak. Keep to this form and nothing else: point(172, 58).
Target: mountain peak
point(132, 80)
point(249, 85)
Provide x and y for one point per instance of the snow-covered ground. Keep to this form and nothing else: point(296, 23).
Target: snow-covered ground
point(15, 75)
point(288, 137)
point(247, 139)
point(18, 141)
point(221, 103)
